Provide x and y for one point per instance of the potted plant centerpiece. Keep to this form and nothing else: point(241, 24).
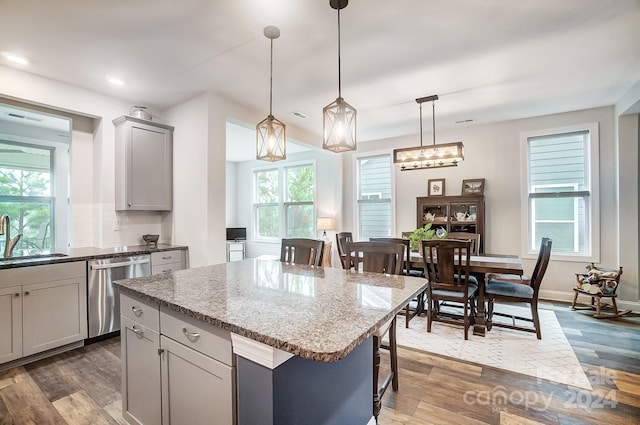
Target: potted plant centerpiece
point(424, 233)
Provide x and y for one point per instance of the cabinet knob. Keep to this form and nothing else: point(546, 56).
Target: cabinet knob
point(139, 332)
point(17, 294)
point(137, 311)
point(26, 292)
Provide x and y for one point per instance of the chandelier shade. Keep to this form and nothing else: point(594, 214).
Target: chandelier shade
point(434, 156)
point(271, 132)
point(339, 118)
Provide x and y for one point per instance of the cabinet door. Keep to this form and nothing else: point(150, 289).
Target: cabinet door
point(196, 389)
point(140, 373)
point(149, 168)
point(54, 314)
point(10, 323)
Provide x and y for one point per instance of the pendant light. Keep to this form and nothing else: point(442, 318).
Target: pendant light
point(339, 118)
point(435, 156)
point(270, 132)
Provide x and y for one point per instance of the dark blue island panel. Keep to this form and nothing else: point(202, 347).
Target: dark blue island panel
point(302, 391)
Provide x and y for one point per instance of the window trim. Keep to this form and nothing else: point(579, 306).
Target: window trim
point(591, 196)
point(282, 203)
point(356, 179)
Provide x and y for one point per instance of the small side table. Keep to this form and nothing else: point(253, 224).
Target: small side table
point(235, 250)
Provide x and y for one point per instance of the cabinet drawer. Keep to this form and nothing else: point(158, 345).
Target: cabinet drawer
point(166, 268)
point(196, 334)
point(166, 257)
point(43, 273)
point(142, 311)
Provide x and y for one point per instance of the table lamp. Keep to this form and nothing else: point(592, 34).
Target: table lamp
point(324, 224)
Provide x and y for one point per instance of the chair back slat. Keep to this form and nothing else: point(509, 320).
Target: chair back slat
point(407, 249)
point(446, 263)
point(376, 257)
point(302, 251)
point(473, 237)
point(541, 265)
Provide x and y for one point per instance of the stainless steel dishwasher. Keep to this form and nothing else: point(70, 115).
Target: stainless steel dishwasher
point(103, 305)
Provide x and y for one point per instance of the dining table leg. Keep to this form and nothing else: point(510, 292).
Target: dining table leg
point(479, 327)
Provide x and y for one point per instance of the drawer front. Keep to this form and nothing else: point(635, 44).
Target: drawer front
point(166, 257)
point(166, 268)
point(207, 339)
point(43, 273)
point(142, 311)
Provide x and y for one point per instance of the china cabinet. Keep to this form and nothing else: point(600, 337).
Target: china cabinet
point(453, 213)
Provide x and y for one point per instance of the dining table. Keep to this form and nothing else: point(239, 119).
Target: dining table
point(480, 266)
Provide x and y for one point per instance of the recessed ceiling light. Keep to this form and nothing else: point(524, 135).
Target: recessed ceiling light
point(299, 115)
point(16, 58)
point(115, 81)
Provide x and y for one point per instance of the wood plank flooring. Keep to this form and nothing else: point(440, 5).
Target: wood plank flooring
point(83, 386)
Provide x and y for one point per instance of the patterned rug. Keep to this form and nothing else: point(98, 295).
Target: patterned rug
point(551, 358)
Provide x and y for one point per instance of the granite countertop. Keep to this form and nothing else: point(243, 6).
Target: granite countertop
point(83, 254)
point(320, 314)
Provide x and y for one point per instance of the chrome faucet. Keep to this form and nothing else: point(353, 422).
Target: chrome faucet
point(10, 243)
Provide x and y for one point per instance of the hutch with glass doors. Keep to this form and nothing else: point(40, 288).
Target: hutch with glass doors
point(453, 213)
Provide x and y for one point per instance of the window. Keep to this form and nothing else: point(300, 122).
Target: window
point(374, 196)
point(27, 195)
point(284, 199)
point(561, 178)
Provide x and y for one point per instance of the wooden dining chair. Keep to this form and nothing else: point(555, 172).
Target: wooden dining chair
point(473, 237)
point(380, 257)
point(510, 292)
point(342, 239)
point(302, 251)
point(446, 265)
point(416, 306)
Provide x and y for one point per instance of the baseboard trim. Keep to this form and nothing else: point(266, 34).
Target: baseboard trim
point(564, 296)
point(39, 356)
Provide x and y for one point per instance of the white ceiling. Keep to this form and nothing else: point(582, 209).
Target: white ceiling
point(489, 60)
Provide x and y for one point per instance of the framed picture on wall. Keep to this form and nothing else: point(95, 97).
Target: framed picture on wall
point(473, 187)
point(435, 187)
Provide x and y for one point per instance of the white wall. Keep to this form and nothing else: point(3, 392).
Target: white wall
point(493, 152)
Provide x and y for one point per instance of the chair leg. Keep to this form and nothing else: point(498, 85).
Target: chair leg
point(429, 312)
point(597, 306)
point(536, 319)
point(489, 322)
point(407, 312)
point(615, 306)
point(393, 350)
point(466, 321)
point(575, 300)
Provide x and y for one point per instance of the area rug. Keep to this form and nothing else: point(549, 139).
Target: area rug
point(551, 358)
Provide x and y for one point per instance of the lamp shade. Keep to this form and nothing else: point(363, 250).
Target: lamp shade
point(270, 140)
point(434, 156)
point(325, 223)
point(339, 126)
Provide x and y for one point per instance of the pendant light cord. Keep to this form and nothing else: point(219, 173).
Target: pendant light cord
point(271, 81)
point(420, 124)
point(339, 79)
point(433, 117)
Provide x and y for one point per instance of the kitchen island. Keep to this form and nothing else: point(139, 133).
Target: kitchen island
point(301, 337)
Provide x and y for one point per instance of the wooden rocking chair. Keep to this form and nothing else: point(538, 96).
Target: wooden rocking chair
point(598, 283)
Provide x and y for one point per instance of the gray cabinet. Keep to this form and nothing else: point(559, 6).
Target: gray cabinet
point(168, 261)
point(235, 250)
point(41, 308)
point(144, 165)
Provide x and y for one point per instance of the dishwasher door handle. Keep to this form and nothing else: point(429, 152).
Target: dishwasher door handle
point(121, 264)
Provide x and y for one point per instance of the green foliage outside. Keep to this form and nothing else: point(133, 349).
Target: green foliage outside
point(29, 217)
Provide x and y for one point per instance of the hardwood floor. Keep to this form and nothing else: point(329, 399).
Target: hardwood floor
point(83, 386)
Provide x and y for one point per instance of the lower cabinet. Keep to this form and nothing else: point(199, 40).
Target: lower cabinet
point(41, 308)
point(175, 369)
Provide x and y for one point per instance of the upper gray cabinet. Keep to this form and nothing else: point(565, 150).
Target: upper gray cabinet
point(144, 165)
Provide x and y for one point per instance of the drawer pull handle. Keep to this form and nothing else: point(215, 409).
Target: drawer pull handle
point(26, 292)
point(139, 332)
point(167, 258)
point(17, 294)
point(191, 335)
point(166, 271)
point(137, 311)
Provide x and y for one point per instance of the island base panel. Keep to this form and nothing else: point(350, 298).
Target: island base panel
point(303, 391)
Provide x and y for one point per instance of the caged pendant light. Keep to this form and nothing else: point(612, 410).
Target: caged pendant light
point(339, 118)
point(434, 156)
point(270, 132)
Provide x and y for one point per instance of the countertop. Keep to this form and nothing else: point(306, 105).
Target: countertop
point(83, 254)
point(320, 314)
